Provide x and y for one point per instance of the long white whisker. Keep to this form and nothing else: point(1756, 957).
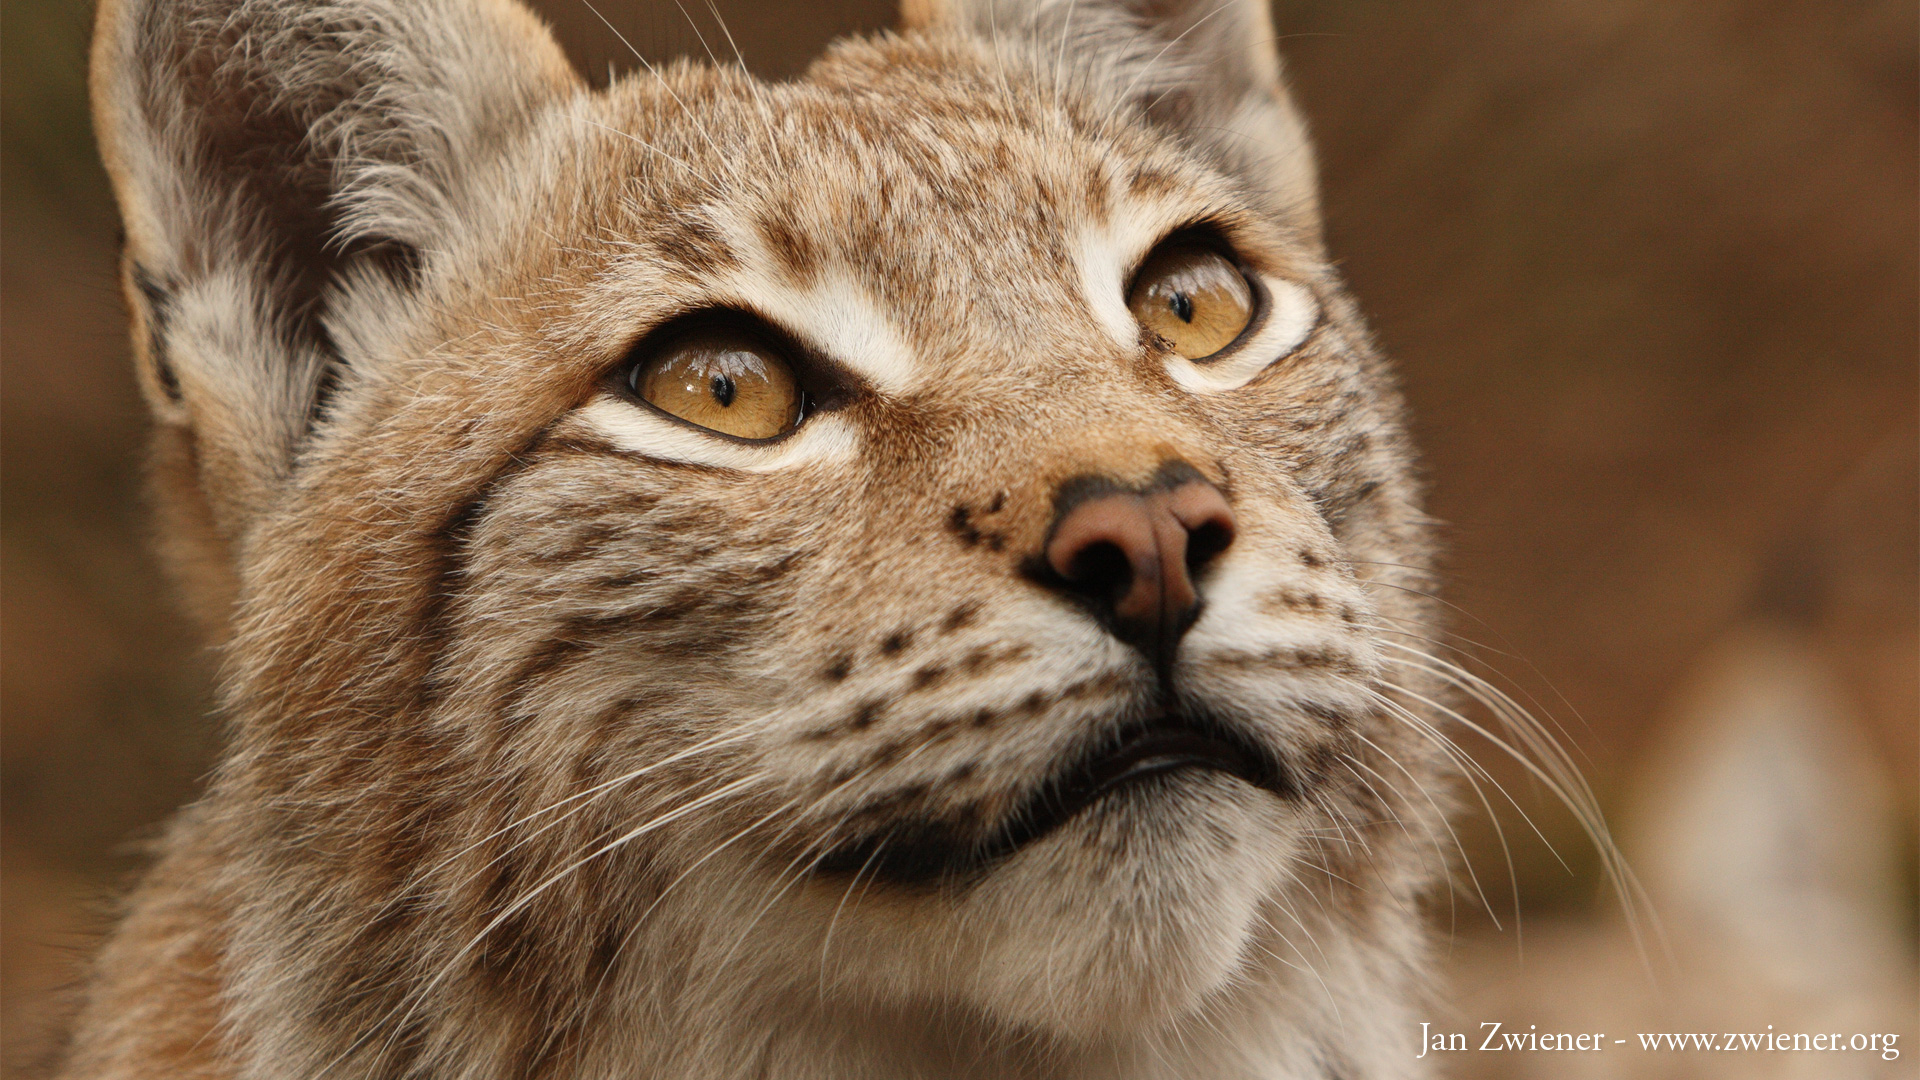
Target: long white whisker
point(1473, 771)
point(1444, 820)
point(761, 104)
point(826, 942)
point(1148, 66)
point(1310, 969)
point(1439, 853)
point(1060, 52)
point(418, 996)
point(713, 743)
point(816, 850)
point(1547, 761)
point(682, 876)
point(630, 136)
point(1508, 654)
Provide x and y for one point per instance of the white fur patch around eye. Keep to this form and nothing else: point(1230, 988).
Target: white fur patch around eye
point(637, 429)
point(1106, 253)
point(839, 318)
point(832, 313)
point(1291, 315)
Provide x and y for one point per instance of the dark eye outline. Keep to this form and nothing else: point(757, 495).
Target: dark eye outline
point(1207, 237)
point(823, 385)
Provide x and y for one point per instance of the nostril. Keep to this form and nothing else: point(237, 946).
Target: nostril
point(1206, 542)
point(1101, 569)
point(1098, 543)
point(1203, 513)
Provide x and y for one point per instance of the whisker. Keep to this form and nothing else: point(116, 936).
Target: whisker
point(761, 104)
point(1142, 73)
point(826, 943)
point(1472, 770)
point(1507, 652)
point(816, 850)
point(594, 792)
point(1546, 760)
point(698, 122)
point(630, 136)
point(1308, 968)
point(683, 875)
point(1444, 820)
point(1439, 854)
point(1060, 52)
point(418, 996)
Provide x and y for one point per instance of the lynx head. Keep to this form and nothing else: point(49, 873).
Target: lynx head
point(923, 539)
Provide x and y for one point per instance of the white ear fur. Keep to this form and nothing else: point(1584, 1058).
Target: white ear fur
point(270, 157)
point(1206, 68)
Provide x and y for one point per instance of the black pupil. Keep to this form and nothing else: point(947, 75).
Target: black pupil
point(723, 390)
point(1182, 305)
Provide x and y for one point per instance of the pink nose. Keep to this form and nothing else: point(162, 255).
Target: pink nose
point(1134, 556)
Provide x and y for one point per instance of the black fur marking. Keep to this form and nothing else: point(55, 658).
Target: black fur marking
point(864, 716)
point(961, 615)
point(159, 300)
point(839, 669)
point(960, 522)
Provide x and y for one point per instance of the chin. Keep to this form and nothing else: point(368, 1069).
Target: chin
point(1129, 915)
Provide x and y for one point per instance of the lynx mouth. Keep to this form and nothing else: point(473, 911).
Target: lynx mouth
point(1155, 750)
point(932, 851)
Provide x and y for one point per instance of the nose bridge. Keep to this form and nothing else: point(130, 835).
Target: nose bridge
point(1102, 418)
point(1109, 495)
point(1017, 479)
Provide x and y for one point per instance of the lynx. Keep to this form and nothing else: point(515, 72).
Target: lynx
point(915, 571)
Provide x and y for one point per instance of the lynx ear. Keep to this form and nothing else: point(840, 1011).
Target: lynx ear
point(278, 162)
point(1207, 68)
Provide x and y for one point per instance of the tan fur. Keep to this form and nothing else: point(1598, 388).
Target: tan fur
point(543, 708)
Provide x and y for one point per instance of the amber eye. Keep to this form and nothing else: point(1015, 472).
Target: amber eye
point(725, 382)
point(1193, 297)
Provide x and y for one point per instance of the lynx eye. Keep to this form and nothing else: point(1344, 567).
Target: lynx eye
point(1193, 297)
point(724, 382)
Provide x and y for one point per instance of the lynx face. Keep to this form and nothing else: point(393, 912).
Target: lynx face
point(917, 541)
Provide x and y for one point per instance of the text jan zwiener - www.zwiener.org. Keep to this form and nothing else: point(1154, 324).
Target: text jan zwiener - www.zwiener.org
point(1495, 1036)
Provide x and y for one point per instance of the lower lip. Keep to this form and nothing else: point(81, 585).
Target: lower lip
point(1163, 751)
point(929, 859)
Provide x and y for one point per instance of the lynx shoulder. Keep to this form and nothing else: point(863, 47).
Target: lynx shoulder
point(903, 572)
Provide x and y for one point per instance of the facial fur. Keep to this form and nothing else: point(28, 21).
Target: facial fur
point(569, 739)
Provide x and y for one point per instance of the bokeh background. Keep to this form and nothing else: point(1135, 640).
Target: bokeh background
point(1648, 269)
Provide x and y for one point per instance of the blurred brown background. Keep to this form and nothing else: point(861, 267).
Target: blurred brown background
point(1649, 270)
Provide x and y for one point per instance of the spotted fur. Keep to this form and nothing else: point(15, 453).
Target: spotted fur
point(568, 741)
